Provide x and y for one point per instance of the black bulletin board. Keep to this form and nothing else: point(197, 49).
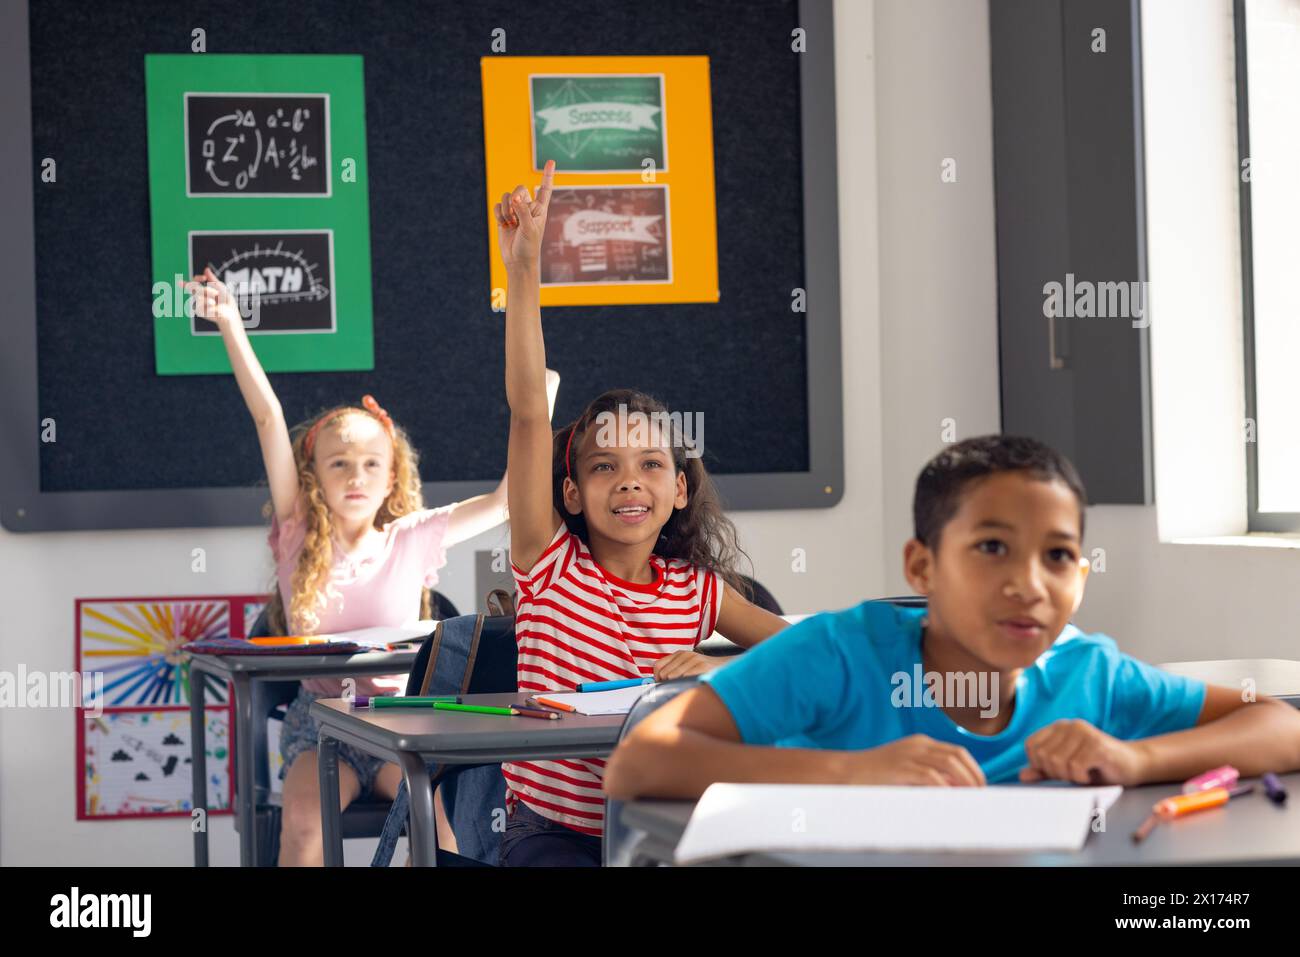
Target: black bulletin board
point(135, 449)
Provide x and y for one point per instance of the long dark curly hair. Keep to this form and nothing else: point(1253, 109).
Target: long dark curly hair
point(700, 533)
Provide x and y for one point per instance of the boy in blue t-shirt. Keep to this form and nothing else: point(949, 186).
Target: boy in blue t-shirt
point(988, 684)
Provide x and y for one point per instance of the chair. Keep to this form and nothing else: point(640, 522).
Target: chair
point(470, 654)
point(719, 647)
point(761, 597)
point(907, 601)
point(363, 818)
point(615, 844)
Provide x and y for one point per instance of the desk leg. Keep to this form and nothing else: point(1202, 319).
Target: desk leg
point(244, 771)
point(198, 766)
point(327, 764)
point(422, 829)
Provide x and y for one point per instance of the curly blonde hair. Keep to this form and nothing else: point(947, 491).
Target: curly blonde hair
point(311, 576)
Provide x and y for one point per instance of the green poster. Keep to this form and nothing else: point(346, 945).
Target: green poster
point(257, 168)
point(595, 123)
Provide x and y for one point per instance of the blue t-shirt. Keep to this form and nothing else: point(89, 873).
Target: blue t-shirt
point(853, 679)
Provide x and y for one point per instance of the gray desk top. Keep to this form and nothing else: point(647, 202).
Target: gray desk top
point(1251, 830)
point(1276, 677)
point(427, 731)
point(288, 667)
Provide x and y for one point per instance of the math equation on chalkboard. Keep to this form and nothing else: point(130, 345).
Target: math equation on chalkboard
point(257, 144)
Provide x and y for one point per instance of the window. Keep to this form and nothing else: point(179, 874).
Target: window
point(1268, 136)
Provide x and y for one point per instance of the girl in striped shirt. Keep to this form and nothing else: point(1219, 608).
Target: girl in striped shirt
point(619, 547)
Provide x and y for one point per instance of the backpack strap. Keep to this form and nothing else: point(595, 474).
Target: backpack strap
point(473, 653)
point(432, 660)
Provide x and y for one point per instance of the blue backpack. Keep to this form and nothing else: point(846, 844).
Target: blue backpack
point(469, 654)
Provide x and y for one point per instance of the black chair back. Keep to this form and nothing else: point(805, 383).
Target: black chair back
point(618, 837)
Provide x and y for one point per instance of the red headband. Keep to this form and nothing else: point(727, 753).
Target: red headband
point(567, 445)
point(369, 407)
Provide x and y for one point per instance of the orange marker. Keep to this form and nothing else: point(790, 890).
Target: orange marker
point(1176, 807)
point(554, 704)
point(1173, 807)
point(286, 640)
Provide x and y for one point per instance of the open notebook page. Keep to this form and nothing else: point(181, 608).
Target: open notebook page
point(739, 818)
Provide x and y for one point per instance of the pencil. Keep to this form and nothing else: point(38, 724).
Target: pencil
point(1146, 828)
point(525, 712)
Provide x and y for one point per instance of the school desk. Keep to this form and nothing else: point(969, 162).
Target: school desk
point(1249, 830)
point(414, 737)
point(243, 672)
point(1275, 677)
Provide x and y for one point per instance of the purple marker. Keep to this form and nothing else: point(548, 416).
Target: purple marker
point(1273, 788)
point(361, 701)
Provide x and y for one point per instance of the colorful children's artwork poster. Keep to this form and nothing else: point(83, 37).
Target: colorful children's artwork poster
point(135, 644)
point(133, 726)
point(632, 218)
point(136, 762)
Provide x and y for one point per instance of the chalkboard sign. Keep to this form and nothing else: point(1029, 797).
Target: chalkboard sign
point(249, 144)
point(284, 280)
point(95, 436)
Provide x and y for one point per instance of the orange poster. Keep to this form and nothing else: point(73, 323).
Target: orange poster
point(632, 217)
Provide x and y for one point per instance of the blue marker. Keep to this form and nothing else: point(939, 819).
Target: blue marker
point(612, 685)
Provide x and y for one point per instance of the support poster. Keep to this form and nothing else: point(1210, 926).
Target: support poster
point(257, 169)
point(632, 218)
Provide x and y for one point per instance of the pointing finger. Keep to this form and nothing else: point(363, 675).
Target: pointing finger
point(548, 181)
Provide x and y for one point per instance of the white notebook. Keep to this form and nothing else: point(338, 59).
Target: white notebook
point(618, 701)
point(740, 818)
point(383, 636)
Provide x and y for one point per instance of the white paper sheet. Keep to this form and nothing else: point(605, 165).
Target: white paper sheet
point(735, 819)
point(618, 701)
point(381, 637)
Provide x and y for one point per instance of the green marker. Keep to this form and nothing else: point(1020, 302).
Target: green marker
point(471, 708)
point(414, 701)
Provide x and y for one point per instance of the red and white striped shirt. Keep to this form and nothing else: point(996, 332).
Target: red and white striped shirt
point(576, 622)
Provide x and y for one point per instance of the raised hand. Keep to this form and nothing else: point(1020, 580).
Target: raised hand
point(521, 221)
point(212, 300)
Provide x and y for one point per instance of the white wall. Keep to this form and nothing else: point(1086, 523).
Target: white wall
point(938, 271)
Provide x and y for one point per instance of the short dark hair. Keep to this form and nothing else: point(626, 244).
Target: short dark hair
point(946, 477)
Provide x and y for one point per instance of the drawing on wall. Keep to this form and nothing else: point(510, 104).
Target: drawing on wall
point(133, 726)
point(137, 762)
